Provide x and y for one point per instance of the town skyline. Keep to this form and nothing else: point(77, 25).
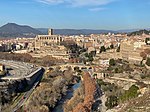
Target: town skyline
point(75, 14)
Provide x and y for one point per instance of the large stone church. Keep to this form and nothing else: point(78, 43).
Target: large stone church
point(47, 40)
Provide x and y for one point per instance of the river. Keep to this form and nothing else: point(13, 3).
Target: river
point(69, 95)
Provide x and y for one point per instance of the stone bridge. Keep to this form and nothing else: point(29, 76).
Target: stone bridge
point(81, 66)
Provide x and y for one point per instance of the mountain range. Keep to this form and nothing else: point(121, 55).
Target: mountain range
point(75, 31)
point(11, 30)
point(89, 31)
point(15, 30)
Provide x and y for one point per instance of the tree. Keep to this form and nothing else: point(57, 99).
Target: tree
point(112, 62)
point(147, 51)
point(102, 49)
point(146, 41)
point(95, 76)
point(111, 102)
point(43, 108)
point(118, 49)
point(2, 73)
point(50, 69)
point(133, 91)
point(76, 69)
point(129, 94)
point(116, 70)
point(143, 55)
point(111, 46)
point(86, 55)
point(148, 61)
point(93, 53)
point(68, 74)
point(90, 58)
point(100, 82)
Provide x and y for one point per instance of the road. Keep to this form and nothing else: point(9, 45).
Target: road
point(128, 80)
point(24, 98)
point(17, 70)
point(123, 79)
point(26, 95)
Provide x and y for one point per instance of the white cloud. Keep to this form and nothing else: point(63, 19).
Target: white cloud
point(97, 9)
point(89, 2)
point(78, 3)
point(51, 1)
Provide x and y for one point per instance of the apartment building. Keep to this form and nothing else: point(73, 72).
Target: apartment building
point(130, 51)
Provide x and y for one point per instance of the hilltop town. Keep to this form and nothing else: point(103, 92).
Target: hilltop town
point(112, 72)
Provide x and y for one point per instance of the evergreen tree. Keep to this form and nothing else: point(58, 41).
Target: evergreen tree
point(148, 61)
point(112, 62)
point(102, 49)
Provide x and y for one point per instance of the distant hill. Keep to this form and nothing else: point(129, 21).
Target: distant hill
point(128, 30)
point(15, 30)
point(140, 32)
point(11, 30)
point(76, 31)
point(131, 30)
point(89, 31)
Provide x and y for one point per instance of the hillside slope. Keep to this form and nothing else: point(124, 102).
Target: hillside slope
point(15, 30)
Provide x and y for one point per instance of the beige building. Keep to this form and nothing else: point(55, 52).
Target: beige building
point(131, 50)
point(57, 51)
point(50, 45)
point(45, 40)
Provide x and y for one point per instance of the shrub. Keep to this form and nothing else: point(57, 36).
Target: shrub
point(148, 61)
point(111, 102)
point(112, 62)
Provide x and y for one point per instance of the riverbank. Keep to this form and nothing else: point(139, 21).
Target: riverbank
point(69, 94)
point(103, 106)
point(52, 88)
point(86, 98)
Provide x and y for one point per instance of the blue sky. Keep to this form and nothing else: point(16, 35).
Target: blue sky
point(77, 14)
